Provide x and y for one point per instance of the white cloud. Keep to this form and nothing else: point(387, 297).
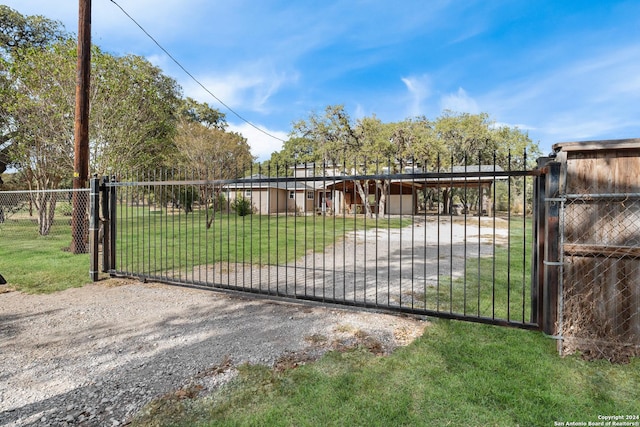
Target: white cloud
point(460, 102)
point(419, 88)
point(359, 112)
point(230, 89)
point(249, 90)
point(590, 98)
point(262, 145)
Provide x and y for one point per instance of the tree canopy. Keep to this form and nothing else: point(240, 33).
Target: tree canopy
point(18, 31)
point(333, 136)
point(138, 117)
point(366, 145)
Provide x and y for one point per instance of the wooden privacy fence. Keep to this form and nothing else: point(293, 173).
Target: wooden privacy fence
point(599, 311)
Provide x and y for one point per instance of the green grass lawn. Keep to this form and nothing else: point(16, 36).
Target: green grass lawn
point(457, 374)
point(40, 264)
point(153, 242)
point(493, 286)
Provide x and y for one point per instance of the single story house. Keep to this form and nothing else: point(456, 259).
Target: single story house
point(311, 192)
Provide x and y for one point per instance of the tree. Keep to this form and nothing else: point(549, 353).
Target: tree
point(133, 115)
point(415, 141)
point(6, 94)
point(451, 139)
point(213, 154)
point(337, 140)
point(463, 134)
point(296, 150)
point(474, 138)
point(210, 152)
point(41, 120)
point(200, 112)
point(18, 32)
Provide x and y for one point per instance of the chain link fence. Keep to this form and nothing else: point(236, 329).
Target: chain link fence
point(600, 312)
point(29, 215)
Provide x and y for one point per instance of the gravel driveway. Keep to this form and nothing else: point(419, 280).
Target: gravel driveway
point(95, 355)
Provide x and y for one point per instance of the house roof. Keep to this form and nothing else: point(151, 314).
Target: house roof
point(260, 181)
point(457, 176)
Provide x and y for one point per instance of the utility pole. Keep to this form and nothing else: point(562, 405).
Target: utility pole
point(79, 223)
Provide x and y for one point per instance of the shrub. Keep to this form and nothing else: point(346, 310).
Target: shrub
point(242, 206)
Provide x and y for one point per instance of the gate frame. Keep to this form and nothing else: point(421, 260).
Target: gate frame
point(545, 264)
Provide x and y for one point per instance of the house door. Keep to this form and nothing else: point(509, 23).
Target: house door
point(324, 200)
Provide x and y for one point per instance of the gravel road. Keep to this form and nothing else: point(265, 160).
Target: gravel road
point(93, 356)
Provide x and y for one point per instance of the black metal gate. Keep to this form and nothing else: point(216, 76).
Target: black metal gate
point(462, 242)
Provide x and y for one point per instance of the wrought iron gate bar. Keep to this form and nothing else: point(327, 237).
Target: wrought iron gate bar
point(455, 245)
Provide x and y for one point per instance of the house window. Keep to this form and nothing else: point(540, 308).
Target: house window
point(247, 193)
point(292, 194)
point(310, 195)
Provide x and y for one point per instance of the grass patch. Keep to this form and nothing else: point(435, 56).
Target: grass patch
point(495, 285)
point(455, 374)
point(155, 242)
point(40, 264)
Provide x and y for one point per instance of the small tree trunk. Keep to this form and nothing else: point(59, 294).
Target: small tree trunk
point(215, 199)
point(46, 205)
point(383, 187)
point(364, 196)
point(446, 201)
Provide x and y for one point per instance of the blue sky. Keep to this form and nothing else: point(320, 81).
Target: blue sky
point(561, 70)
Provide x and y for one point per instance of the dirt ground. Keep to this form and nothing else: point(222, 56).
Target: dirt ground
point(95, 355)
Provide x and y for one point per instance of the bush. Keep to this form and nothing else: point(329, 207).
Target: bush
point(242, 206)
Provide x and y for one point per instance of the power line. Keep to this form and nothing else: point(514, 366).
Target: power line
point(193, 77)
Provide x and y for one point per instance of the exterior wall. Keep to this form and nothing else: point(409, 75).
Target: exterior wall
point(300, 202)
point(278, 200)
point(401, 204)
point(265, 201)
point(308, 203)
